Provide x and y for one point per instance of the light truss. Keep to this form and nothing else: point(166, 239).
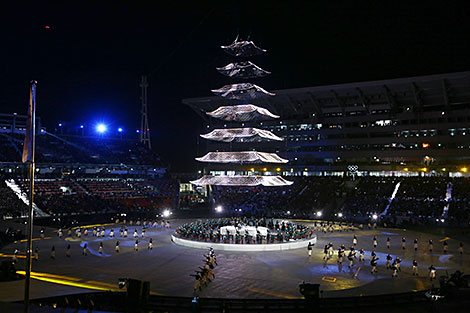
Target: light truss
point(242, 157)
point(243, 91)
point(243, 48)
point(242, 180)
point(241, 113)
point(244, 69)
point(241, 135)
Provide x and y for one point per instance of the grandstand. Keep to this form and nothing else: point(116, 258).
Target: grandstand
point(406, 126)
point(81, 174)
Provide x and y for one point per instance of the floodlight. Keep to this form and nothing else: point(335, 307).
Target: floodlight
point(101, 128)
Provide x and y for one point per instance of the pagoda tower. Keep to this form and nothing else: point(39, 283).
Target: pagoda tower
point(241, 94)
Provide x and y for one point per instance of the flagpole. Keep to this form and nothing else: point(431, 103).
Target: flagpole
point(32, 146)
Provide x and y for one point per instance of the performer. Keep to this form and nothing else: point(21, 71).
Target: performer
point(310, 248)
point(59, 233)
point(53, 253)
point(85, 232)
point(68, 253)
point(375, 242)
point(85, 250)
point(42, 233)
point(388, 242)
point(102, 232)
point(446, 246)
point(117, 247)
point(340, 256)
point(398, 261)
point(373, 264)
point(354, 240)
point(125, 232)
point(460, 248)
point(430, 245)
point(394, 267)
point(100, 249)
point(388, 263)
point(135, 233)
point(416, 244)
point(325, 253)
point(403, 243)
point(111, 233)
point(143, 233)
point(414, 270)
point(150, 244)
point(14, 259)
point(361, 255)
point(136, 245)
point(432, 273)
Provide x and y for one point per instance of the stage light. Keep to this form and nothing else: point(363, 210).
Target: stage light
point(374, 216)
point(340, 214)
point(464, 169)
point(120, 129)
point(81, 126)
point(101, 128)
point(60, 124)
point(219, 208)
point(319, 213)
point(137, 131)
point(443, 169)
point(405, 169)
point(166, 213)
point(288, 212)
point(425, 145)
point(424, 169)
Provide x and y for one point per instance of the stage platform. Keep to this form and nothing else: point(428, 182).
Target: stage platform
point(297, 244)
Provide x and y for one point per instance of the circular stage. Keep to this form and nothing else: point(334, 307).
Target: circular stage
point(244, 234)
point(297, 244)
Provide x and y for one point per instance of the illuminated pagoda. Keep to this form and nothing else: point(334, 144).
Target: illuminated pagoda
point(245, 112)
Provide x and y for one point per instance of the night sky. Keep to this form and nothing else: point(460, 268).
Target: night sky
point(89, 61)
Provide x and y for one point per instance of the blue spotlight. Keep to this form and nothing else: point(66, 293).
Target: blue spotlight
point(81, 126)
point(120, 129)
point(101, 128)
point(137, 131)
point(60, 124)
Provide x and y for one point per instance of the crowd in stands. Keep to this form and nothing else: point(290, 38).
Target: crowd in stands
point(418, 200)
point(370, 195)
point(77, 149)
point(10, 205)
point(459, 207)
point(97, 195)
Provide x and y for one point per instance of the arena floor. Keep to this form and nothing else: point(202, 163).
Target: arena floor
point(238, 274)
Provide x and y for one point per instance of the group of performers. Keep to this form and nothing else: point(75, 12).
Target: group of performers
point(210, 231)
point(205, 274)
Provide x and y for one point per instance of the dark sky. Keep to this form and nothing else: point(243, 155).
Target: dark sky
point(88, 63)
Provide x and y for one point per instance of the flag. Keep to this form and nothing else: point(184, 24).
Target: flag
point(30, 125)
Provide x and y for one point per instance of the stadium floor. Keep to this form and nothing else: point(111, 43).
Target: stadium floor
point(238, 274)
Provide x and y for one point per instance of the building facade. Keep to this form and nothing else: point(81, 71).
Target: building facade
point(407, 126)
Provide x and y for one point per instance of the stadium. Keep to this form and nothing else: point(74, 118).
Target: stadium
point(350, 197)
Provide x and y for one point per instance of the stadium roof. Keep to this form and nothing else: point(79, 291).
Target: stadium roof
point(421, 93)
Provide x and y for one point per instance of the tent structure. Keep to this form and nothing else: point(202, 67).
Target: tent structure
point(242, 91)
point(247, 134)
point(242, 180)
point(244, 69)
point(241, 113)
point(242, 157)
point(243, 48)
